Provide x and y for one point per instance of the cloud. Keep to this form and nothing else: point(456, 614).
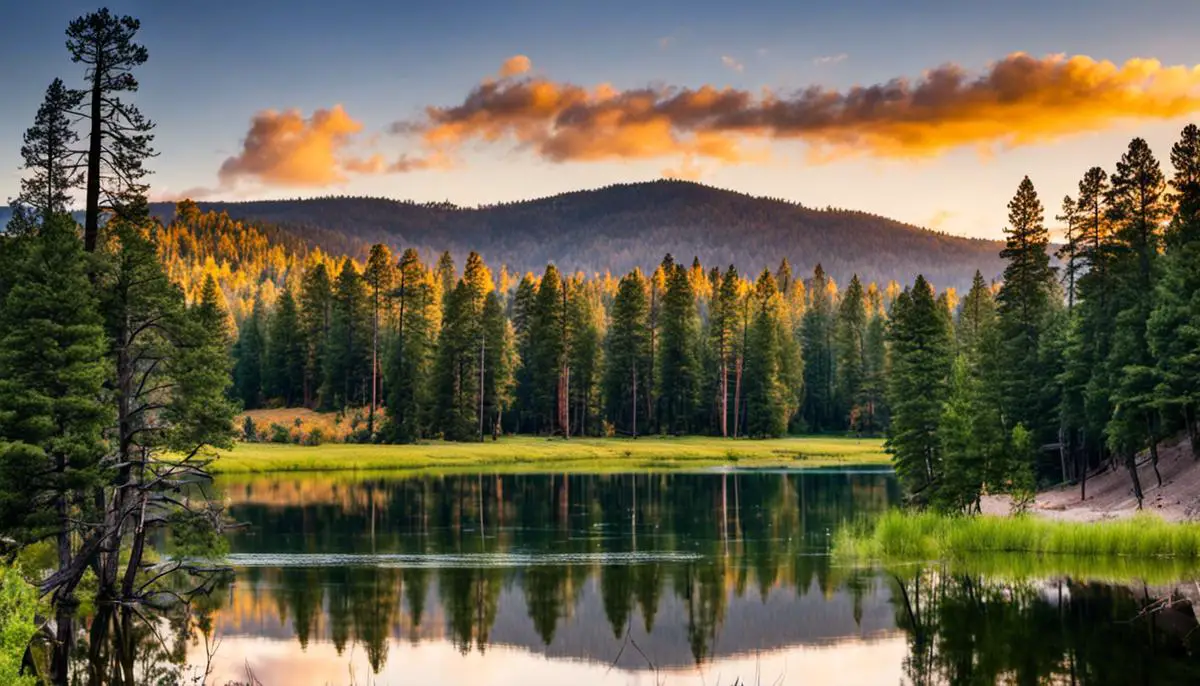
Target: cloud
point(517, 64)
point(1016, 101)
point(733, 64)
point(830, 59)
point(284, 148)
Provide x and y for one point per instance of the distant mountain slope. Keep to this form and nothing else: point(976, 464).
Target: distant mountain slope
point(618, 227)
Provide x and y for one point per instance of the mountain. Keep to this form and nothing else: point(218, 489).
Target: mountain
point(619, 227)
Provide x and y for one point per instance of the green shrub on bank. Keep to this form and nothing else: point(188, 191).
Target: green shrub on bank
point(912, 536)
point(18, 608)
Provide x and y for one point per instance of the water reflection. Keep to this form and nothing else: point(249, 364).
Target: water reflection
point(688, 566)
point(663, 578)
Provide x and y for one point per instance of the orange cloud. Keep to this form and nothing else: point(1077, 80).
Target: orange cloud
point(1019, 100)
point(287, 149)
point(517, 64)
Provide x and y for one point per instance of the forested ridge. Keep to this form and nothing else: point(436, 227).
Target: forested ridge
point(623, 226)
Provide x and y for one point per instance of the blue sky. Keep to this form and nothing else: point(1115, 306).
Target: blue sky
point(213, 67)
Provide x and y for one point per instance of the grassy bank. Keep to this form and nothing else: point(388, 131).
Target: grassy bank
point(903, 536)
point(527, 453)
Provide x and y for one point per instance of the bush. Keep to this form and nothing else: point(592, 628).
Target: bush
point(280, 433)
point(18, 607)
point(315, 436)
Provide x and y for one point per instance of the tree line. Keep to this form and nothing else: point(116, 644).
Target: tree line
point(1058, 371)
point(464, 355)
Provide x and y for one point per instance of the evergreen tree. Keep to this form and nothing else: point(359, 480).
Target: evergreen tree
point(766, 412)
point(875, 374)
point(460, 353)
point(286, 352)
point(1023, 304)
point(523, 307)
point(585, 323)
point(627, 355)
point(851, 339)
point(1173, 330)
point(500, 363)
point(348, 371)
point(1136, 208)
point(380, 276)
point(963, 453)
point(679, 367)
point(119, 136)
point(547, 348)
point(418, 307)
point(921, 356)
point(723, 330)
point(976, 315)
point(446, 276)
point(316, 315)
point(53, 364)
point(249, 353)
point(820, 412)
point(1069, 253)
point(48, 154)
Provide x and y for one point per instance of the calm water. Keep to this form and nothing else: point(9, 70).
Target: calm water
point(650, 579)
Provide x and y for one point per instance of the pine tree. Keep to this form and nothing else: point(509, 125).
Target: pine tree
point(348, 372)
point(1173, 329)
point(585, 322)
point(547, 352)
point(460, 354)
point(316, 315)
point(446, 275)
point(523, 306)
point(963, 453)
point(53, 364)
point(921, 357)
point(627, 355)
point(286, 352)
point(820, 412)
point(249, 353)
point(409, 373)
point(380, 276)
point(1136, 208)
point(1022, 305)
point(976, 314)
point(851, 343)
point(679, 367)
point(500, 363)
point(1069, 253)
point(119, 136)
point(48, 154)
point(766, 413)
point(723, 329)
point(875, 374)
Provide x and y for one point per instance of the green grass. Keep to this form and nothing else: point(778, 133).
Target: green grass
point(531, 454)
point(904, 536)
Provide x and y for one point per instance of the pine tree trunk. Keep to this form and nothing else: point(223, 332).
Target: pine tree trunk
point(91, 222)
point(724, 396)
point(635, 433)
point(1131, 465)
point(1153, 437)
point(1083, 472)
point(737, 396)
point(1189, 418)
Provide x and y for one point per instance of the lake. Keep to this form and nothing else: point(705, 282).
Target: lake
point(664, 578)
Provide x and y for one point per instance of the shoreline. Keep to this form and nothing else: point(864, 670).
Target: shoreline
point(531, 454)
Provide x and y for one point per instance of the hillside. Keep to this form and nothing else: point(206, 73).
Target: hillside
point(619, 227)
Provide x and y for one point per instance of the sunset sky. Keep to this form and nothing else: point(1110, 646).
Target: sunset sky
point(478, 102)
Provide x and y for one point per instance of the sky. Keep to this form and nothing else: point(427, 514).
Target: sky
point(929, 112)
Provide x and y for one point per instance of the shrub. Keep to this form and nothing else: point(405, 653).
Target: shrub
point(279, 433)
point(315, 436)
point(18, 607)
